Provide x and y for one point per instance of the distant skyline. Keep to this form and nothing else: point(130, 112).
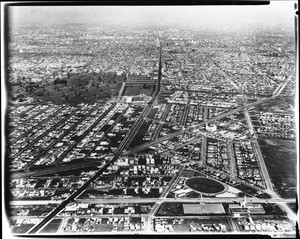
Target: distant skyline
point(277, 13)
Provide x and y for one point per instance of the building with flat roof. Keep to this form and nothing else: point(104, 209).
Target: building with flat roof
point(182, 192)
point(249, 208)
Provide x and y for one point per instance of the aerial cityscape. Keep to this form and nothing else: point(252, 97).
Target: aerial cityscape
point(150, 128)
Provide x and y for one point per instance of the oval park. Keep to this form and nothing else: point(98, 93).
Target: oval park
point(205, 185)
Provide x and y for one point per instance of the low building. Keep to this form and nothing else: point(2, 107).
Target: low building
point(182, 192)
point(211, 127)
point(238, 211)
point(244, 210)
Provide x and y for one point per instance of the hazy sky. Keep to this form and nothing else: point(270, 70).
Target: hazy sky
point(277, 13)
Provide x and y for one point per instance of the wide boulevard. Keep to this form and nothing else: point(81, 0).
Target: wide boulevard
point(118, 152)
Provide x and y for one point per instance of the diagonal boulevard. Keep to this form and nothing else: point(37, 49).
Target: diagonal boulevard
point(118, 152)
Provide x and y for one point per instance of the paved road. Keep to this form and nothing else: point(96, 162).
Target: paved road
point(220, 116)
point(121, 91)
point(247, 117)
point(161, 122)
point(163, 117)
point(84, 216)
point(84, 163)
point(33, 202)
point(66, 132)
point(79, 191)
point(203, 151)
point(86, 133)
point(194, 139)
point(228, 78)
point(158, 200)
point(280, 88)
point(263, 168)
point(173, 182)
point(135, 128)
point(38, 125)
point(33, 141)
point(202, 200)
point(127, 140)
point(118, 152)
point(184, 115)
point(52, 170)
point(232, 177)
point(232, 158)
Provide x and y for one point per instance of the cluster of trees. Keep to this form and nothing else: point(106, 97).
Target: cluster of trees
point(60, 81)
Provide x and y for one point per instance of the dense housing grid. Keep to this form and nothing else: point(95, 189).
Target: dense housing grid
point(149, 130)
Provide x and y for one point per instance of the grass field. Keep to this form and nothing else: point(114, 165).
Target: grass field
point(170, 209)
point(205, 185)
point(52, 227)
point(88, 88)
point(280, 157)
point(139, 89)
